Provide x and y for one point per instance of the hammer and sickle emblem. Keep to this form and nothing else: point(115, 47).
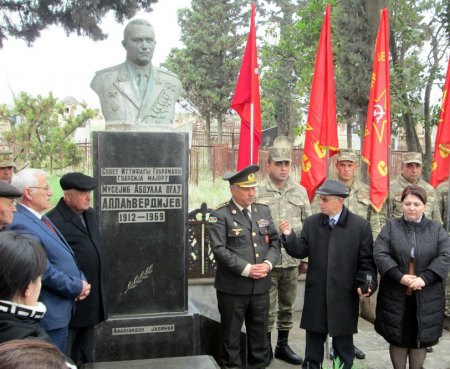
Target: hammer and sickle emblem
point(320, 150)
point(306, 164)
point(444, 153)
point(382, 168)
point(378, 112)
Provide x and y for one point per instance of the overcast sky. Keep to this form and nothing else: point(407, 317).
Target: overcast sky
point(65, 65)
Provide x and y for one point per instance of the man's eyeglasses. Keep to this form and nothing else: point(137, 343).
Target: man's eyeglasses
point(46, 188)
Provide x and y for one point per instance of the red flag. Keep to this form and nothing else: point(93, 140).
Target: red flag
point(377, 135)
point(441, 161)
point(321, 127)
point(246, 101)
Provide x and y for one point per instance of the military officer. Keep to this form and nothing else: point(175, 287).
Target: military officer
point(246, 246)
point(442, 197)
point(411, 174)
point(287, 200)
point(7, 166)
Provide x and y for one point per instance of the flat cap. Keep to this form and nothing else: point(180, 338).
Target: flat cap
point(332, 188)
point(77, 181)
point(347, 155)
point(281, 149)
point(243, 178)
point(9, 191)
point(412, 157)
point(6, 159)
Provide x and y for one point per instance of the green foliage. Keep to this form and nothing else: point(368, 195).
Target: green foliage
point(338, 365)
point(208, 65)
point(44, 132)
point(213, 193)
point(26, 19)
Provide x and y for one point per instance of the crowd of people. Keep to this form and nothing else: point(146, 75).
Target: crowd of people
point(267, 234)
point(53, 270)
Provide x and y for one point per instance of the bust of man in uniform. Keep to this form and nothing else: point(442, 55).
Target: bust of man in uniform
point(136, 92)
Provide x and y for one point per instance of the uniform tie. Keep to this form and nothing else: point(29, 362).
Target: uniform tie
point(247, 215)
point(141, 83)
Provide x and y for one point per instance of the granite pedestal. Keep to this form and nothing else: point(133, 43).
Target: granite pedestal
point(142, 202)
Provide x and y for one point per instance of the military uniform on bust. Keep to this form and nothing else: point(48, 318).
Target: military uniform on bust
point(287, 200)
point(411, 174)
point(442, 196)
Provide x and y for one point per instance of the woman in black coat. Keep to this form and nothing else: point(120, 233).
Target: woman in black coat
point(412, 254)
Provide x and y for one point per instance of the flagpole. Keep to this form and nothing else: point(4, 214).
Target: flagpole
point(251, 133)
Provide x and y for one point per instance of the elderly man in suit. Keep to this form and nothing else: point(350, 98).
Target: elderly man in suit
point(62, 282)
point(136, 92)
point(246, 247)
point(341, 268)
point(78, 223)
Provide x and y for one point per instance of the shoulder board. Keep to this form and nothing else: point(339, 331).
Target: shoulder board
point(165, 71)
point(260, 204)
point(114, 67)
point(222, 205)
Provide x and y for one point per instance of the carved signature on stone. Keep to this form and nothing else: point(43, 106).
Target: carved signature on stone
point(139, 278)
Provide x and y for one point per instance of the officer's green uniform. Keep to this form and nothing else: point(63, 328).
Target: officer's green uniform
point(442, 199)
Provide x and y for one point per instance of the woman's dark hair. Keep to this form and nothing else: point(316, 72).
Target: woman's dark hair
point(414, 190)
point(22, 260)
point(30, 354)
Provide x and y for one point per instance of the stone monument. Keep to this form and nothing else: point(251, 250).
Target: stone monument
point(141, 165)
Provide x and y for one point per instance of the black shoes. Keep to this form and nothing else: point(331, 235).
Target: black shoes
point(359, 354)
point(285, 353)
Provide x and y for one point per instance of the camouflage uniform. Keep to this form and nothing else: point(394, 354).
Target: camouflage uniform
point(287, 200)
point(290, 203)
point(395, 210)
point(442, 199)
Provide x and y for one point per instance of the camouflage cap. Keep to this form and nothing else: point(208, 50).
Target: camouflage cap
point(281, 149)
point(347, 155)
point(6, 159)
point(412, 157)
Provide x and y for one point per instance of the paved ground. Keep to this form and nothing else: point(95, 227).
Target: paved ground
point(375, 347)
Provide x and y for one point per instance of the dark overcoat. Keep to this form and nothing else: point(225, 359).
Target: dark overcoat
point(431, 253)
point(335, 257)
point(236, 244)
point(87, 245)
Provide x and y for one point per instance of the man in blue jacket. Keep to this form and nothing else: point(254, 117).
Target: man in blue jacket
point(62, 282)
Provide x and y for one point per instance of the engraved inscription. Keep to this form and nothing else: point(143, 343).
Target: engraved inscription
point(144, 329)
point(141, 216)
point(134, 190)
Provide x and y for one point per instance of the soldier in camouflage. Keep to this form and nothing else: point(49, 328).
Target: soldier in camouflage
point(442, 198)
point(411, 174)
point(287, 200)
